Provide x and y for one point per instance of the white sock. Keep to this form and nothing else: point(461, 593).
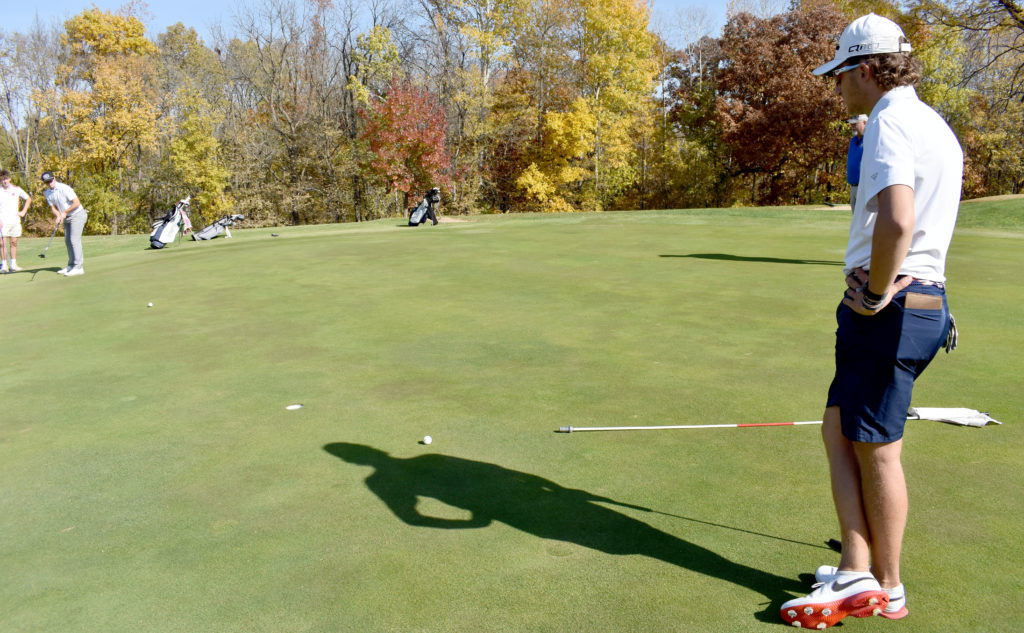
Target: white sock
point(896, 592)
point(847, 574)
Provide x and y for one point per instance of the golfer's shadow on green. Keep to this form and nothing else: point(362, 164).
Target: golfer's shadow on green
point(537, 506)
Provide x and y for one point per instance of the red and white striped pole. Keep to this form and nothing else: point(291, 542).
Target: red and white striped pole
point(580, 429)
point(957, 415)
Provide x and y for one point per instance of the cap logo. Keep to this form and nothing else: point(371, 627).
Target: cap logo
point(881, 47)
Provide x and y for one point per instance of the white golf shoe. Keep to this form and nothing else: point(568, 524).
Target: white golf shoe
point(74, 272)
point(847, 593)
point(895, 610)
point(825, 573)
point(62, 271)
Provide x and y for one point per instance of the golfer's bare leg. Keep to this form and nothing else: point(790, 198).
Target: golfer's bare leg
point(884, 494)
point(846, 494)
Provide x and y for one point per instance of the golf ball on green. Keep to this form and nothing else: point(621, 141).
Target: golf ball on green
point(427, 439)
point(150, 304)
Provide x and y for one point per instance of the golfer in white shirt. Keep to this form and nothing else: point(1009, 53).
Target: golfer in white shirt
point(892, 320)
point(68, 209)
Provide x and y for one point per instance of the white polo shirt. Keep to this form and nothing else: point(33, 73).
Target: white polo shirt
point(908, 143)
point(10, 204)
point(61, 196)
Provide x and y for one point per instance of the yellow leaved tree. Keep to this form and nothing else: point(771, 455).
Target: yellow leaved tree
point(106, 93)
point(192, 161)
point(586, 149)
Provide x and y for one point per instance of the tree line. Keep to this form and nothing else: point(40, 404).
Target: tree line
point(316, 111)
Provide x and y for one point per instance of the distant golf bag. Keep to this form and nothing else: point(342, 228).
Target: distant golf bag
point(166, 228)
point(220, 227)
point(426, 208)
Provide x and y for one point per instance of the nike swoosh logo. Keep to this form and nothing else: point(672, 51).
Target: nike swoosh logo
point(838, 586)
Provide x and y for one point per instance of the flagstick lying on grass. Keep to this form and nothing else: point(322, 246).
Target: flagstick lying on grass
point(959, 416)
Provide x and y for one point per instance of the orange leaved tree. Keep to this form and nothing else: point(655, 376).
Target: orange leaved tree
point(405, 133)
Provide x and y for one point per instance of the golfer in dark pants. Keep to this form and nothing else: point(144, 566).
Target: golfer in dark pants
point(891, 322)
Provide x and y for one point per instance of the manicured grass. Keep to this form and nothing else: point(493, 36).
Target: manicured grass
point(1002, 212)
point(151, 478)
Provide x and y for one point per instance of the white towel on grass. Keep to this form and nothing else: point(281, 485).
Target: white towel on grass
point(953, 415)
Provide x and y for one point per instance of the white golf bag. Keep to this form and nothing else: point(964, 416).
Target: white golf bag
point(419, 214)
point(425, 210)
point(166, 228)
point(220, 227)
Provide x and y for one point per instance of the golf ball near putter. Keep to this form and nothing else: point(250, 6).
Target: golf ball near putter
point(427, 439)
point(149, 305)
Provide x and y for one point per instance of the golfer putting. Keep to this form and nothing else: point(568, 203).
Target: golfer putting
point(67, 210)
point(892, 320)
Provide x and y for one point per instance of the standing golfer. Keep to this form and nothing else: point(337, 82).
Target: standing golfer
point(854, 155)
point(67, 209)
point(10, 220)
point(892, 320)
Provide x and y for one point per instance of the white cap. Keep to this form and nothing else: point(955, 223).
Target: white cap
point(867, 35)
point(857, 119)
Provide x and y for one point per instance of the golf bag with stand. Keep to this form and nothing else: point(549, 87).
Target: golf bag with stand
point(426, 208)
point(220, 227)
point(166, 228)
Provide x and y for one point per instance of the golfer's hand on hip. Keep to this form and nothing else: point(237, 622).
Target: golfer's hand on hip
point(857, 281)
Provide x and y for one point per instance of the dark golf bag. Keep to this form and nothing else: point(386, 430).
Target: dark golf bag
point(220, 227)
point(166, 228)
point(426, 208)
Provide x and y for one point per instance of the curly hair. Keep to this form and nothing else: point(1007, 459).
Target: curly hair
point(892, 69)
point(895, 69)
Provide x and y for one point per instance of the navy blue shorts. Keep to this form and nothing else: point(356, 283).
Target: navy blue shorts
point(878, 358)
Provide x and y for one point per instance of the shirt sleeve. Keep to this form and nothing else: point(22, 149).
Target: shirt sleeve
point(891, 162)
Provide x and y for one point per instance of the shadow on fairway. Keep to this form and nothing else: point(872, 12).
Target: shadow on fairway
point(543, 508)
point(48, 269)
point(767, 260)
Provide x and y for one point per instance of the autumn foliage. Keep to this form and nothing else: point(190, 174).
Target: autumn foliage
point(776, 117)
point(316, 111)
point(405, 133)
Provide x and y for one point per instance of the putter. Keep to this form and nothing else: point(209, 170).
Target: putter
point(43, 254)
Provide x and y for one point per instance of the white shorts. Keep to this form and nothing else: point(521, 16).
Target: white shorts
point(11, 230)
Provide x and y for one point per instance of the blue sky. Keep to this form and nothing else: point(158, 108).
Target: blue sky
point(19, 15)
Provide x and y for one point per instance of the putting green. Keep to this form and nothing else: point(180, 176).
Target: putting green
point(152, 478)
